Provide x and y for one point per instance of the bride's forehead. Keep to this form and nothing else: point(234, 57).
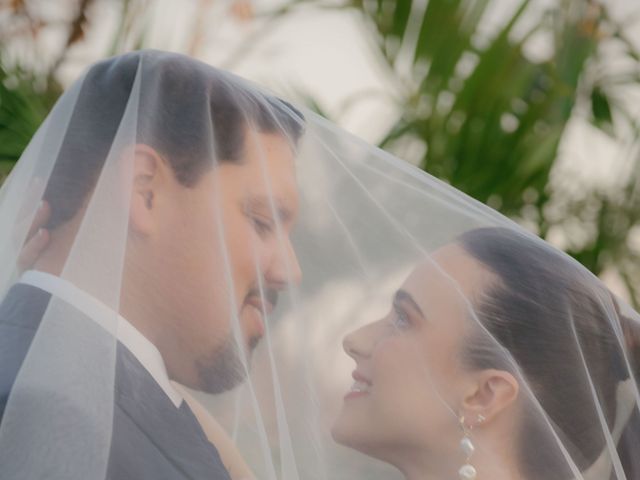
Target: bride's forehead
point(450, 268)
point(449, 260)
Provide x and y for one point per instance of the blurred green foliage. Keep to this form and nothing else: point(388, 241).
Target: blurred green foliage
point(23, 106)
point(490, 120)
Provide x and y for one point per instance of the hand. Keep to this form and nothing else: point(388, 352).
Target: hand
point(37, 238)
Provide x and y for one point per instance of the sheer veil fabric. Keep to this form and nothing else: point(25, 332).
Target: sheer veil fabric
point(340, 313)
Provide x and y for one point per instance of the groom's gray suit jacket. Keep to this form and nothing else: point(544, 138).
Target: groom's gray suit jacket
point(151, 439)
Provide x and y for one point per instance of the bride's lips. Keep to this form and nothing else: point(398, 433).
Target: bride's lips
point(361, 386)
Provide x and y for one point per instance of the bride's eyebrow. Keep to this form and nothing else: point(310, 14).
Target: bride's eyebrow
point(404, 296)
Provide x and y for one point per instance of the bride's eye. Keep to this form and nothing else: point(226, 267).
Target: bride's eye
point(400, 318)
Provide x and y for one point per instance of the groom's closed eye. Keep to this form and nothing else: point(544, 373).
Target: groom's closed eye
point(267, 215)
point(262, 224)
point(271, 207)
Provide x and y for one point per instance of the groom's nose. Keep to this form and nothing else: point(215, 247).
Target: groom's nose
point(283, 269)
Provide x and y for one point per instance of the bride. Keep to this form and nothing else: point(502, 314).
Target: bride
point(498, 352)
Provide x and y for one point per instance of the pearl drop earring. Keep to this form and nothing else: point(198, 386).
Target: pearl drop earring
point(467, 471)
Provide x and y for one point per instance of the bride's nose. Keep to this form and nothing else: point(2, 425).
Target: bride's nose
point(349, 346)
point(360, 343)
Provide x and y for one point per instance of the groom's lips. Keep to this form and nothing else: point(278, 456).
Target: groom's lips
point(263, 305)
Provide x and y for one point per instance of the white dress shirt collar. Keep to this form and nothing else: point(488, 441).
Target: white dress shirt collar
point(145, 351)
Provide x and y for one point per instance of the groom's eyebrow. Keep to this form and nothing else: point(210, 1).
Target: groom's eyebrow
point(404, 296)
point(263, 202)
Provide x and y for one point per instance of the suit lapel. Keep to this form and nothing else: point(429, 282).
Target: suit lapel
point(174, 431)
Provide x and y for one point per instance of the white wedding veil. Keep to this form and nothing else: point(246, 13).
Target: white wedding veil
point(340, 313)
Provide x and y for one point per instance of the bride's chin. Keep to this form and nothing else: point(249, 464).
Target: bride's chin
point(338, 433)
point(357, 439)
point(346, 432)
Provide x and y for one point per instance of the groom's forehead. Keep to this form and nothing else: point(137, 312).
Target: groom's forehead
point(266, 172)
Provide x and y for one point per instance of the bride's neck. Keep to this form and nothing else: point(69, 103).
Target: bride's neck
point(493, 467)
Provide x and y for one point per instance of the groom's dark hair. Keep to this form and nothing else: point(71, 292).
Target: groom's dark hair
point(188, 111)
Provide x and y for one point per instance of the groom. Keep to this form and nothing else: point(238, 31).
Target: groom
point(190, 263)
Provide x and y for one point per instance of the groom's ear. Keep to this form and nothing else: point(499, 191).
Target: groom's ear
point(148, 180)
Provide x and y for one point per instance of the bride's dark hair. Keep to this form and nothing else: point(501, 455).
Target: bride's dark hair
point(559, 325)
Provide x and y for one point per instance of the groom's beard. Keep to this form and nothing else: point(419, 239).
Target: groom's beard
point(224, 369)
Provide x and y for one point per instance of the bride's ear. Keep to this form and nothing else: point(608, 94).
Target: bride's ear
point(491, 393)
point(147, 181)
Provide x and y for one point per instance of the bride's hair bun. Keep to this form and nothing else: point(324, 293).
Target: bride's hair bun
point(631, 337)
